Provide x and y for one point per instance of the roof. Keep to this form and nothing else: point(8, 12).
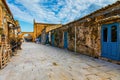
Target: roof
point(44, 23)
point(109, 18)
point(49, 28)
point(4, 1)
point(27, 32)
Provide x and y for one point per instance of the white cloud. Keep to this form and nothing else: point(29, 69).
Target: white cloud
point(70, 10)
point(21, 15)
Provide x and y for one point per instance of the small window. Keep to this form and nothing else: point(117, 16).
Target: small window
point(105, 34)
point(114, 34)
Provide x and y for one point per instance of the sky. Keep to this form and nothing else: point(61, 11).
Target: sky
point(52, 11)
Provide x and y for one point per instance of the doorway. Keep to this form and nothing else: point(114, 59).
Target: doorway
point(110, 41)
point(65, 39)
point(53, 39)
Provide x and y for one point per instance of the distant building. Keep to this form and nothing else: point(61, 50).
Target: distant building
point(40, 30)
point(46, 34)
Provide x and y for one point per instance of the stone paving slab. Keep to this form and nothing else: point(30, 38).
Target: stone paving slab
point(40, 62)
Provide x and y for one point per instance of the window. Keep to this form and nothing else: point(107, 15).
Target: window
point(105, 34)
point(114, 34)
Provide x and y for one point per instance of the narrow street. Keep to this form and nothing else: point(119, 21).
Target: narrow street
point(40, 62)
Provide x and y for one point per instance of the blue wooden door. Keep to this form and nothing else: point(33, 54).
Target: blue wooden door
point(40, 39)
point(110, 41)
point(47, 39)
point(65, 40)
point(53, 39)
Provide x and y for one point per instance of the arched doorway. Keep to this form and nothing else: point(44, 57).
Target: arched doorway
point(27, 38)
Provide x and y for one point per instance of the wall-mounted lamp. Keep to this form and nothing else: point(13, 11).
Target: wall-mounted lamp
point(10, 25)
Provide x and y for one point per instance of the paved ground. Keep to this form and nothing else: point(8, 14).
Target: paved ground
point(39, 62)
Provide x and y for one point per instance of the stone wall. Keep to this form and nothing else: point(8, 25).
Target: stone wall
point(38, 29)
point(0, 16)
point(58, 33)
point(88, 39)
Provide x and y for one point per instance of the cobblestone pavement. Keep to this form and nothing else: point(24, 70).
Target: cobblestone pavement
point(40, 62)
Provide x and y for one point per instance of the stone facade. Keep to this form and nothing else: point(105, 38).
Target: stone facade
point(38, 27)
point(9, 29)
point(43, 36)
point(0, 16)
point(8, 25)
point(87, 37)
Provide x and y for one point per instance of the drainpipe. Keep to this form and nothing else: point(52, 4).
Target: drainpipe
point(75, 39)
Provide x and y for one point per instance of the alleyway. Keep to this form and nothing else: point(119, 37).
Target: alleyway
point(40, 62)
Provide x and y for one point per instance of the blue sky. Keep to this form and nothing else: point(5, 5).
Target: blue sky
point(52, 11)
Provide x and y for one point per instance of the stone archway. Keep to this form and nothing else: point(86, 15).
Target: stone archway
point(27, 37)
point(22, 35)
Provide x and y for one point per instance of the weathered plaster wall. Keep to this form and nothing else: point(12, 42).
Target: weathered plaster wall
point(88, 39)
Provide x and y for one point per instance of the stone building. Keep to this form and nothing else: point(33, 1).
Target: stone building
point(96, 34)
point(40, 30)
point(9, 29)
